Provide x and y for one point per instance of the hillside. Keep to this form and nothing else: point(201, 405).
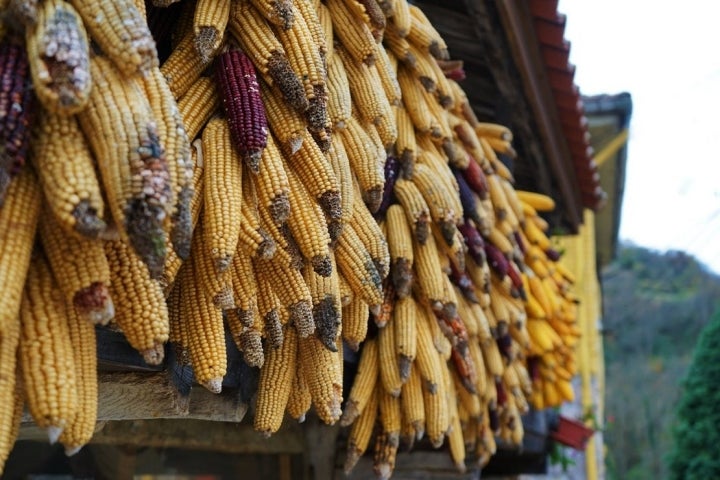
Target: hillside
point(654, 307)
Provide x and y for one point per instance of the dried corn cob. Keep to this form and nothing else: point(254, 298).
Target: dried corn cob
point(276, 381)
point(134, 169)
point(209, 22)
point(277, 12)
point(358, 268)
point(365, 164)
point(9, 387)
point(363, 389)
point(81, 268)
point(121, 32)
point(59, 55)
point(355, 317)
point(300, 399)
point(240, 92)
point(360, 433)
point(184, 66)
point(217, 287)
point(353, 33)
point(323, 378)
point(326, 305)
point(400, 247)
point(198, 105)
point(286, 123)
point(45, 351)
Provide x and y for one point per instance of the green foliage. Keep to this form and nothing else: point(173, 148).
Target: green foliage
point(654, 307)
point(697, 432)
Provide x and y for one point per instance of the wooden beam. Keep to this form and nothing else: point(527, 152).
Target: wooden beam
point(517, 23)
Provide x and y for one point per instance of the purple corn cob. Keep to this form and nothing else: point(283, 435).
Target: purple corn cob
point(16, 106)
point(497, 260)
point(240, 91)
point(392, 171)
point(474, 242)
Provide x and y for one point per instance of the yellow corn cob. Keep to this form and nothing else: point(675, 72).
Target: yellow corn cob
point(134, 169)
point(209, 22)
point(326, 305)
point(140, 309)
point(355, 322)
point(439, 201)
point(321, 375)
point(405, 144)
point(172, 134)
point(388, 360)
point(404, 319)
point(339, 98)
point(364, 163)
point(540, 202)
point(277, 12)
point(275, 384)
point(291, 290)
point(317, 175)
point(286, 123)
point(18, 222)
point(456, 443)
point(311, 13)
point(245, 287)
point(363, 389)
point(427, 358)
point(59, 57)
point(337, 156)
point(387, 442)
point(198, 104)
point(488, 129)
point(81, 428)
point(360, 433)
point(400, 247)
point(423, 34)
point(416, 104)
point(249, 27)
point(371, 236)
point(396, 43)
point(10, 387)
point(358, 268)
point(307, 225)
point(45, 351)
point(366, 89)
point(300, 399)
point(388, 75)
point(401, 18)
point(416, 209)
point(184, 66)
point(305, 60)
point(353, 33)
point(223, 193)
point(217, 287)
point(430, 277)
point(67, 175)
point(82, 270)
point(437, 411)
point(205, 332)
point(413, 407)
point(254, 240)
point(121, 32)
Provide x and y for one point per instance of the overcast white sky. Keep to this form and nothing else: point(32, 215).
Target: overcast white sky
point(667, 55)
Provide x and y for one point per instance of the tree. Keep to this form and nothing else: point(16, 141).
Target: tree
point(697, 432)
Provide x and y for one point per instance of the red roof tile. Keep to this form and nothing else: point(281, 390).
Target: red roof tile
point(550, 31)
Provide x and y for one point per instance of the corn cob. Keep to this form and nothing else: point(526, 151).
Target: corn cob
point(198, 105)
point(18, 222)
point(245, 288)
point(322, 377)
point(24, 11)
point(339, 98)
point(209, 22)
point(140, 309)
point(300, 399)
point(67, 175)
point(45, 351)
point(358, 268)
point(134, 169)
point(388, 361)
point(387, 442)
point(267, 53)
point(286, 123)
point(277, 12)
point(317, 175)
point(341, 166)
point(59, 56)
point(291, 290)
point(353, 33)
point(307, 225)
point(361, 432)
point(364, 163)
point(275, 384)
point(355, 323)
point(217, 287)
point(205, 332)
point(121, 32)
point(184, 66)
point(16, 107)
point(413, 407)
point(310, 11)
point(363, 388)
point(240, 92)
point(81, 428)
point(173, 136)
point(416, 103)
point(423, 34)
point(326, 305)
point(223, 193)
point(371, 236)
point(10, 388)
point(81, 268)
point(416, 209)
point(366, 89)
point(395, 42)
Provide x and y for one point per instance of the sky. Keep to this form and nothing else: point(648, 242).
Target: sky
point(667, 55)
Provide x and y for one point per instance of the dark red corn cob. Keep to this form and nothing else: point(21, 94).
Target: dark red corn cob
point(552, 254)
point(16, 106)
point(240, 91)
point(520, 242)
point(392, 171)
point(498, 262)
point(468, 199)
point(475, 178)
point(474, 242)
point(463, 281)
point(501, 393)
point(514, 274)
